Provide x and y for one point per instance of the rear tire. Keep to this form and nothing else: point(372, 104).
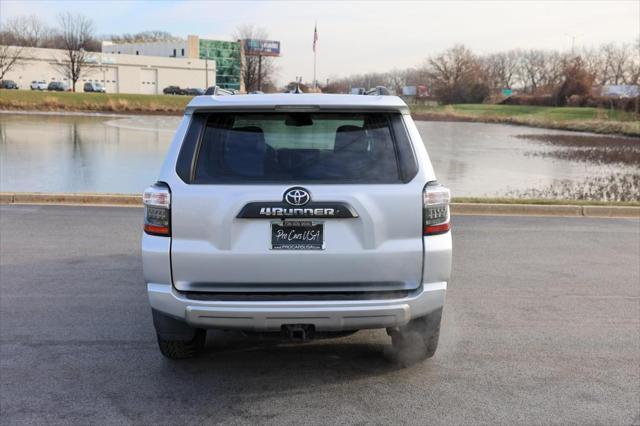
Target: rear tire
point(182, 349)
point(418, 340)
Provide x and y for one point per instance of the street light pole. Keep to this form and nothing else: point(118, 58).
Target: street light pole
point(573, 41)
point(206, 69)
point(259, 72)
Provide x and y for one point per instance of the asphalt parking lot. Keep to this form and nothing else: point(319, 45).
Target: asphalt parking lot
point(541, 326)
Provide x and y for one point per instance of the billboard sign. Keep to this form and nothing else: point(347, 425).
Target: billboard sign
point(254, 47)
point(423, 91)
point(409, 91)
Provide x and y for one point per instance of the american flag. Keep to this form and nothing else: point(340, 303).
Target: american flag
point(315, 36)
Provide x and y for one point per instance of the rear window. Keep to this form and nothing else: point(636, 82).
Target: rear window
point(300, 147)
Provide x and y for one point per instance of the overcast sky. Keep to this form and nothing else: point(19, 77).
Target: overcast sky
point(362, 36)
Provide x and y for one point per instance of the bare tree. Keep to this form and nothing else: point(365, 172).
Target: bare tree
point(620, 57)
point(614, 64)
point(532, 68)
point(395, 80)
point(256, 71)
point(501, 69)
point(460, 74)
point(75, 34)
point(337, 85)
point(27, 31)
point(456, 76)
point(143, 37)
point(541, 70)
point(595, 64)
point(10, 58)
point(416, 76)
point(633, 67)
point(554, 66)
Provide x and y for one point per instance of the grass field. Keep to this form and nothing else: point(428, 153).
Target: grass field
point(546, 113)
point(93, 102)
point(566, 118)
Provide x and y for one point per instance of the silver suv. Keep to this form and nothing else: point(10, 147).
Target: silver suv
point(302, 215)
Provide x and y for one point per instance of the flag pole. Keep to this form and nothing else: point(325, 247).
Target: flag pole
point(315, 38)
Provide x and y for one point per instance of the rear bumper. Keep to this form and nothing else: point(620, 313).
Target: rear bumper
point(270, 316)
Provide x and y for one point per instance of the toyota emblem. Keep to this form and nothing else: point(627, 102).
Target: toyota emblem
point(297, 196)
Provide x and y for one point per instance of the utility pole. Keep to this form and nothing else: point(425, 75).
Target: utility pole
point(573, 44)
point(259, 72)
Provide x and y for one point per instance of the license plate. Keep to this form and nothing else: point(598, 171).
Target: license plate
point(297, 235)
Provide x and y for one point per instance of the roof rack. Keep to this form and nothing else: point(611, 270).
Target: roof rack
point(378, 91)
point(219, 91)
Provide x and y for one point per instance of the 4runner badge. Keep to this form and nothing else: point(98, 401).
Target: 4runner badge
point(297, 204)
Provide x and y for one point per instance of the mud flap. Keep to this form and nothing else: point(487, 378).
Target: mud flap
point(170, 328)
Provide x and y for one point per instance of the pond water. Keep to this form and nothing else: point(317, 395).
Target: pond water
point(123, 154)
point(479, 159)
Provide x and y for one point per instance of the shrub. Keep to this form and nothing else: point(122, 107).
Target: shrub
point(532, 100)
point(607, 102)
point(577, 101)
point(575, 81)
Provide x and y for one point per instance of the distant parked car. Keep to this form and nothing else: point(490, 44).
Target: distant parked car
point(57, 86)
point(8, 84)
point(94, 87)
point(173, 90)
point(38, 85)
point(193, 92)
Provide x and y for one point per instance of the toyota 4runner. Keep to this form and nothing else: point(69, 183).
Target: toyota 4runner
point(307, 215)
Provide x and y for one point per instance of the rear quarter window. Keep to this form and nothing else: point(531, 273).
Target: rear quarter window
point(229, 148)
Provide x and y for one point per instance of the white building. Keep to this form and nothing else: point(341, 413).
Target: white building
point(121, 73)
point(621, 90)
point(168, 49)
point(228, 55)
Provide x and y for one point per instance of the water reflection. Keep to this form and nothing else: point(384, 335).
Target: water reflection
point(477, 159)
point(81, 154)
point(74, 153)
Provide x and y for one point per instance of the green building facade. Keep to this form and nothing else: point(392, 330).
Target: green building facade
point(227, 57)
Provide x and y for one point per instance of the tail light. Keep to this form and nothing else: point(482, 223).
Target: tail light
point(157, 210)
point(435, 210)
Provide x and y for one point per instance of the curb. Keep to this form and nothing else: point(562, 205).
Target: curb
point(70, 199)
point(544, 210)
point(123, 200)
point(515, 209)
